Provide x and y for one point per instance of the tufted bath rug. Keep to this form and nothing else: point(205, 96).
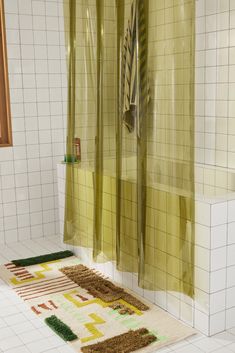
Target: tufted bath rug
point(90, 312)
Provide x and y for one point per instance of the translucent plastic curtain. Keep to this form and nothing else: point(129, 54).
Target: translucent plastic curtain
point(91, 40)
point(168, 233)
point(131, 198)
point(80, 34)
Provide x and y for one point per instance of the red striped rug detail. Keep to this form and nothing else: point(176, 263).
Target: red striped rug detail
point(20, 272)
point(23, 272)
point(38, 282)
point(36, 286)
point(15, 269)
point(25, 277)
point(46, 286)
point(53, 292)
point(47, 290)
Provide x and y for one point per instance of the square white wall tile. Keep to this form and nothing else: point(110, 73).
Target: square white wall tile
point(203, 213)
point(218, 236)
point(231, 211)
point(217, 323)
point(218, 302)
point(218, 258)
point(217, 280)
point(201, 322)
point(230, 276)
point(230, 318)
point(219, 214)
point(202, 235)
point(230, 295)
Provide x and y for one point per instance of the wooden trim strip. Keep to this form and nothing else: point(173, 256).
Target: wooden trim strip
point(5, 120)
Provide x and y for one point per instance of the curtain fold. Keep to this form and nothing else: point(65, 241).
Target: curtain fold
point(131, 197)
point(98, 175)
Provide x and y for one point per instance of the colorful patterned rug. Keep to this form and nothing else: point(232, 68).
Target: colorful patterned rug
point(91, 313)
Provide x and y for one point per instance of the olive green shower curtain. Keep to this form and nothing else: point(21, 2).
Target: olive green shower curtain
point(131, 197)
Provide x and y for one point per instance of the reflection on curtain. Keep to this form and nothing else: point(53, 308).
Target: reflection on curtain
point(131, 198)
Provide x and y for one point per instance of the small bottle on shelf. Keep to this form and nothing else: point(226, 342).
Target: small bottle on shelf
point(77, 148)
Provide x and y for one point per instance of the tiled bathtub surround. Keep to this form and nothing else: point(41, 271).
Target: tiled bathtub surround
point(214, 262)
point(214, 146)
point(213, 309)
point(37, 75)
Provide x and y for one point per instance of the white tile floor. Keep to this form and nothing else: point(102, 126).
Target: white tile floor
point(22, 332)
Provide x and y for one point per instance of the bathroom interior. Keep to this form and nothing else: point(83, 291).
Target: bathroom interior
point(117, 146)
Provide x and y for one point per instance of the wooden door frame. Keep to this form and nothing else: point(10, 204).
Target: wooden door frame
point(7, 121)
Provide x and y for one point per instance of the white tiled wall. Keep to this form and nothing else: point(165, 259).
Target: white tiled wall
point(215, 82)
point(37, 73)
